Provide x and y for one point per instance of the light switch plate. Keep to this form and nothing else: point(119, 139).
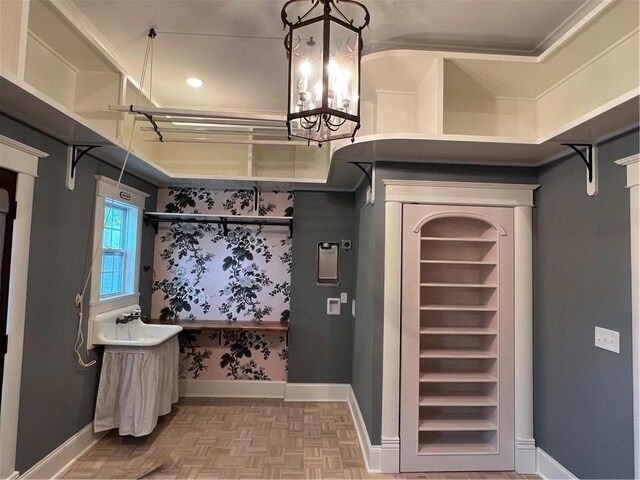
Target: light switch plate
point(333, 306)
point(353, 307)
point(607, 339)
point(344, 298)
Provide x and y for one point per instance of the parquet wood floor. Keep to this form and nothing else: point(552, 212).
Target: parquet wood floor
point(226, 438)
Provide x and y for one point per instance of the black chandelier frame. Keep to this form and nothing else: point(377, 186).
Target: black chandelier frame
point(314, 119)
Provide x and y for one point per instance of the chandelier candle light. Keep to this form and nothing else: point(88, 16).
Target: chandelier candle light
point(324, 55)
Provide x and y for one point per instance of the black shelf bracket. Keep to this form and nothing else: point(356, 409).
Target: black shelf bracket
point(256, 200)
point(368, 173)
point(148, 222)
point(74, 155)
point(589, 158)
point(364, 170)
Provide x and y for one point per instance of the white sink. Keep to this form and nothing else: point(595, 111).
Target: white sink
point(135, 333)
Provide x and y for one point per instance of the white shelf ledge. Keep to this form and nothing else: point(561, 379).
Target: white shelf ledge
point(456, 331)
point(458, 378)
point(459, 308)
point(457, 354)
point(456, 425)
point(457, 285)
point(457, 401)
point(459, 239)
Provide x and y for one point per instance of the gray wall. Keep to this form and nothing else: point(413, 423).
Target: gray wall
point(320, 345)
point(367, 356)
point(583, 395)
point(363, 355)
point(57, 396)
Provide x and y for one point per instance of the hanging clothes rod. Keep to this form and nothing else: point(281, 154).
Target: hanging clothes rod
point(206, 114)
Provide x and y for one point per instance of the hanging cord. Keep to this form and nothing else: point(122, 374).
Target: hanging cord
point(79, 300)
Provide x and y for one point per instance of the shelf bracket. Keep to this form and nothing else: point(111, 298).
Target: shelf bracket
point(148, 222)
point(369, 176)
point(590, 159)
point(256, 200)
point(74, 154)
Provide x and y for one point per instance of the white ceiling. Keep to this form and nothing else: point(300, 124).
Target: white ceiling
point(236, 46)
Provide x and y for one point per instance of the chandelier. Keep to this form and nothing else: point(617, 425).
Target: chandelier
point(324, 53)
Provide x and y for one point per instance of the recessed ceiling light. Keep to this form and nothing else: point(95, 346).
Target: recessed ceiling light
point(194, 82)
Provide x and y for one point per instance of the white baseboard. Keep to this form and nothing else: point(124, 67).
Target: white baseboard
point(317, 392)
point(370, 452)
point(526, 454)
point(54, 464)
point(390, 455)
point(550, 469)
point(232, 388)
point(13, 476)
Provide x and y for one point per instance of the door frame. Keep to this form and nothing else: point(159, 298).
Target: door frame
point(633, 184)
point(520, 198)
point(22, 159)
point(9, 183)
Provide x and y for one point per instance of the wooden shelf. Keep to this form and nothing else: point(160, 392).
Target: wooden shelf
point(456, 425)
point(459, 239)
point(457, 285)
point(457, 378)
point(458, 400)
point(436, 353)
point(459, 308)
point(267, 326)
point(163, 217)
point(456, 331)
point(455, 448)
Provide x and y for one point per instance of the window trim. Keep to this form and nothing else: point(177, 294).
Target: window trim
point(105, 188)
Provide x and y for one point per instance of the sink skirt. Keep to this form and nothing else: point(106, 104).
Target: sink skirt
point(137, 385)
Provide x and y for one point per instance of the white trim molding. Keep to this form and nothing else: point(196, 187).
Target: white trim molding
point(22, 159)
point(55, 464)
point(526, 455)
point(633, 184)
point(317, 392)
point(370, 453)
point(459, 193)
point(19, 157)
point(550, 469)
point(232, 388)
point(520, 198)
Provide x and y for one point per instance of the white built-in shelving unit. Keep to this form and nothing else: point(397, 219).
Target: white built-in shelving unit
point(458, 338)
point(454, 325)
point(59, 74)
point(510, 109)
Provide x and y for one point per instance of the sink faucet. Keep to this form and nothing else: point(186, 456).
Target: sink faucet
point(129, 317)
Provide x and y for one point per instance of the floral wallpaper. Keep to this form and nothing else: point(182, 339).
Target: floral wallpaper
point(202, 273)
point(233, 355)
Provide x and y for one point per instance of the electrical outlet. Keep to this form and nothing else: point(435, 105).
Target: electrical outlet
point(333, 306)
point(607, 339)
point(344, 298)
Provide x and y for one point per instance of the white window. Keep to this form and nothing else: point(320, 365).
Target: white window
point(118, 249)
point(116, 240)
